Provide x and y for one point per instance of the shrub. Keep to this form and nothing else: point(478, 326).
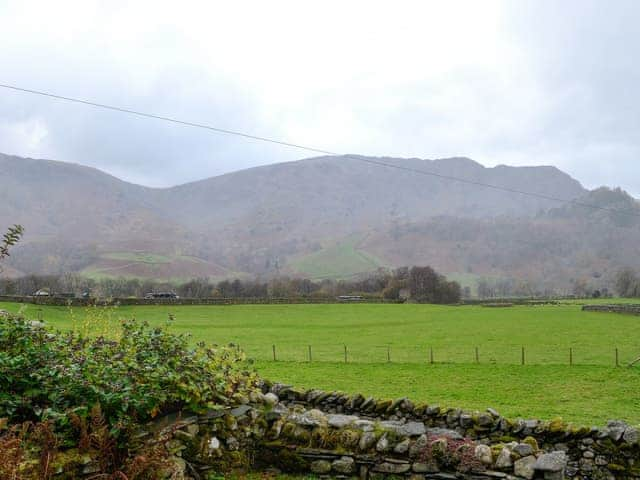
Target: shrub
point(47, 376)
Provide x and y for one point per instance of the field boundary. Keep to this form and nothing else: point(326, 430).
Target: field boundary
point(613, 308)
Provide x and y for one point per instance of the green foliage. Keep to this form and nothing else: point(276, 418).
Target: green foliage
point(9, 239)
point(146, 372)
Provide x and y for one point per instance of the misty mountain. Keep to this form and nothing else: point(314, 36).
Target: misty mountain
point(324, 216)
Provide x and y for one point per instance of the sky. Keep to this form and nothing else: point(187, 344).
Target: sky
point(503, 82)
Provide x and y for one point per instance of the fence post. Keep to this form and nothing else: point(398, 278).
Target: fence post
point(273, 347)
point(310, 353)
point(522, 357)
point(570, 356)
point(431, 355)
point(345, 354)
point(617, 358)
point(477, 356)
point(388, 353)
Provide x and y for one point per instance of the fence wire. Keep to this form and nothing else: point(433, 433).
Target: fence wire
point(439, 354)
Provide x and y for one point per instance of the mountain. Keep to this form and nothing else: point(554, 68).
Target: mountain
point(327, 216)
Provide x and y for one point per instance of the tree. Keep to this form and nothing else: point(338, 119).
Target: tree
point(9, 239)
point(627, 283)
point(426, 285)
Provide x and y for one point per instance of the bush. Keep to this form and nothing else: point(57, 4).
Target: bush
point(46, 376)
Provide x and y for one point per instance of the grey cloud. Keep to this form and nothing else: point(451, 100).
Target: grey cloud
point(567, 97)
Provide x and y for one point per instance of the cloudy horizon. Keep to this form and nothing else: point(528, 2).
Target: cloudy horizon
point(515, 83)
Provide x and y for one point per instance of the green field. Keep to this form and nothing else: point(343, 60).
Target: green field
point(590, 391)
point(343, 260)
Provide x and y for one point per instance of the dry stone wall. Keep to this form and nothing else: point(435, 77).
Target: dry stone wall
point(334, 435)
point(620, 308)
point(504, 447)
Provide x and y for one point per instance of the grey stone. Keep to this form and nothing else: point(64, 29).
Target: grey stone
point(311, 418)
point(420, 467)
point(493, 412)
point(432, 410)
point(413, 429)
point(601, 460)
point(383, 444)
point(340, 421)
point(402, 447)
point(396, 468)
point(523, 449)
point(524, 467)
point(364, 425)
point(444, 432)
point(586, 465)
point(418, 446)
point(551, 462)
point(320, 467)
point(271, 398)
point(368, 404)
point(367, 441)
point(504, 459)
point(466, 420)
point(452, 417)
point(563, 447)
point(483, 454)
point(630, 435)
point(344, 465)
point(616, 429)
point(232, 443)
point(519, 426)
point(485, 420)
point(240, 411)
point(588, 454)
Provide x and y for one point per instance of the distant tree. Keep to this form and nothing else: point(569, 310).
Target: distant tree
point(426, 285)
point(627, 283)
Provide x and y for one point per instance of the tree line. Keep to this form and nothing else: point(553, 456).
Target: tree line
point(420, 284)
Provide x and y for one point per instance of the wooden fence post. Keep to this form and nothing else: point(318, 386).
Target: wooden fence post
point(477, 356)
point(388, 353)
point(345, 354)
point(273, 347)
point(522, 356)
point(570, 356)
point(617, 358)
point(431, 355)
point(310, 353)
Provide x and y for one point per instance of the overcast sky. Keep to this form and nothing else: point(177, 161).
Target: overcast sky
point(513, 82)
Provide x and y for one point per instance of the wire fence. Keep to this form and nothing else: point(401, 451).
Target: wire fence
point(442, 354)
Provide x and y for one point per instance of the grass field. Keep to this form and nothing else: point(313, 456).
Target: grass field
point(339, 261)
point(591, 391)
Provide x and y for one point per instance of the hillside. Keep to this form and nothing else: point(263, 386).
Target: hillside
point(323, 217)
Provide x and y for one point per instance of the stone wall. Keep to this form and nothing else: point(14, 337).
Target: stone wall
point(586, 452)
point(344, 436)
point(616, 308)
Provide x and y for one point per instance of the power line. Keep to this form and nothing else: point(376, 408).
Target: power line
point(315, 150)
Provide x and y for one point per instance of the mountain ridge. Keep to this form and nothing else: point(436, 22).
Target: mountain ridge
point(265, 220)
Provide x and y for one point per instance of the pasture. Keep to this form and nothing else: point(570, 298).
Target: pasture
point(388, 351)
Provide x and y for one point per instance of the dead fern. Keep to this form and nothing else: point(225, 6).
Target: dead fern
point(11, 452)
point(44, 436)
